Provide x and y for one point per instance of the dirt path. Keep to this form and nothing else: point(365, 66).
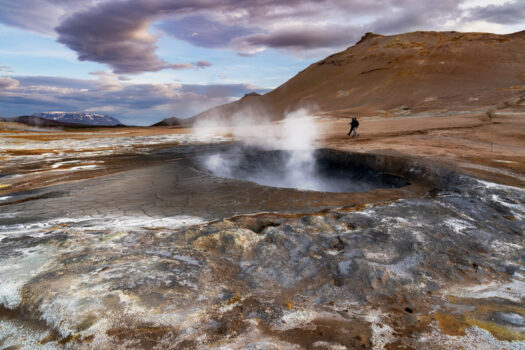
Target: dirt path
point(491, 148)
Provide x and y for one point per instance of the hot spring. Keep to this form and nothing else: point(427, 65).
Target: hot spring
point(320, 170)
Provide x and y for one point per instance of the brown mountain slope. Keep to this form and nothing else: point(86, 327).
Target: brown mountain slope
point(420, 71)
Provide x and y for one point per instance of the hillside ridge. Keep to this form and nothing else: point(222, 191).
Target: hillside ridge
point(416, 72)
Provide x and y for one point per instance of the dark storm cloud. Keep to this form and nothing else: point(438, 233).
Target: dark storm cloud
point(511, 12)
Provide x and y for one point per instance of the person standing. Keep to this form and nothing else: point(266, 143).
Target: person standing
point(353, 127)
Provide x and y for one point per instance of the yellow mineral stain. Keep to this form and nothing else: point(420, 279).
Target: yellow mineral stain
point(233, 300)
point(498, 331)
point(111, 236)
point(451, 324)
point(479, 317)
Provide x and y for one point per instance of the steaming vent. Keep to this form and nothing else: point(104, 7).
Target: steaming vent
point(320, 170)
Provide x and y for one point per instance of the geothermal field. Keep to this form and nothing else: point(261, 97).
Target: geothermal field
point(260, 224)
point(282, 235)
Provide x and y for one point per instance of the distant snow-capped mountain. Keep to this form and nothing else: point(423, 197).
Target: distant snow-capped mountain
point(80, 118)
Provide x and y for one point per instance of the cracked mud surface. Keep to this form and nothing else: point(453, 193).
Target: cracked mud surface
point(166, 255)
point(176, 188)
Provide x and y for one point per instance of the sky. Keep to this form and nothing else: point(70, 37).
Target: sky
point(145, 60)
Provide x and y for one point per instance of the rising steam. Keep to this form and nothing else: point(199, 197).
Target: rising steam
point(284, 154)
point(294, 166)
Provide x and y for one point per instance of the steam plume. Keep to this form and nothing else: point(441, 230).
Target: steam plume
point(293, 166)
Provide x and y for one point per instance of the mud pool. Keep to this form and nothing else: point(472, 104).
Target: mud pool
point(314, 170)
point(170, 255)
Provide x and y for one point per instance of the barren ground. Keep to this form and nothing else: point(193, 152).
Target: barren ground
point(114, 238)
point(491, 148)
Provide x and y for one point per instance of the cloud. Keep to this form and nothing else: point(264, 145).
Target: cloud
point(297, 37)
point(182, 66)
point(117, 33)
point(131, 103)
point(59, 82)
point(204, 32)
point(203, 64)
point(198, 64)
point(124, 34)
point(5, 69)
point(100, 109)
point(411, 15)
point(481, 27)
point(222, 90)
point(35, 15)
point(8, 83)
point(511, 12)
point(120, 40)
point(252, 27)
point(40, 16)
point(107, 81)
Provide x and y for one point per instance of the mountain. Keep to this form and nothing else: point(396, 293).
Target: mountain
point(225, 110)
point(32, 120)
point(405, 73)
point(80, 118)
point(173, 121)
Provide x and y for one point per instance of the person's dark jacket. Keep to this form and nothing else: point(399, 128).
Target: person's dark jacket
point(354, 123)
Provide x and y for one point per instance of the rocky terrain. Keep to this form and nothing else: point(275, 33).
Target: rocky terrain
point(161, 253)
